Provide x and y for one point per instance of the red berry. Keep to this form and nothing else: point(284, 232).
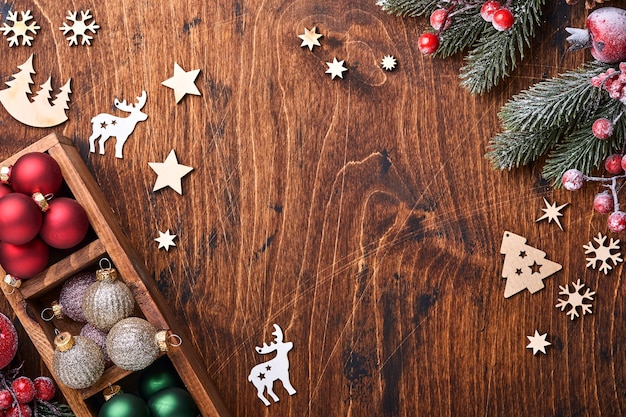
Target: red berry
point(617, 221)
point(573, 180)
point(24, 389)
point(6, 399)
point(488, 9)
point(428, 43)
point(603, 203)
point(613, 164)
point(602, 128)
point(503, 19)
point(439, 19)
point(44, 388)
point(23, 408)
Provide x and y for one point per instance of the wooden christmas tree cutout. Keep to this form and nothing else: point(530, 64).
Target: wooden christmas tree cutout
point(38, 112)
point(524, 267)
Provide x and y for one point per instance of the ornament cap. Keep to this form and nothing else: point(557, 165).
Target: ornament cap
point(111, 391)
point(64, 341)
point(5, 175)
point(57, 309)
point(106, 274)
point(161, 339)
point(12, 281)
point(41, 201)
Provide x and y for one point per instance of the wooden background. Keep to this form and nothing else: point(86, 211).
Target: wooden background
point(358, 214)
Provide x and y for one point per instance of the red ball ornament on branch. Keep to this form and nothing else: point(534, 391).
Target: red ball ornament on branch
point(65, 223)
point(8, 343)
point(20, 219)
point(24, 261)
point(36, 172)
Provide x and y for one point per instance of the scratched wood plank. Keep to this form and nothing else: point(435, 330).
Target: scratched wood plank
point(358, 214)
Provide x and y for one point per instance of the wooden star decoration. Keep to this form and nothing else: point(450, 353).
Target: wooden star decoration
point(388, 63)
point(538, 343)
point(166, 240)
point(310, 38)
point(169, 173)
point(183, 82)
point(336, 68)
point(552, 212)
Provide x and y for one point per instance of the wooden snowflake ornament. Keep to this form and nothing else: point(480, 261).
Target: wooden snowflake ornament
point(575, 299)
point(603, 253)
point(524, 267)
point(79, 27)
point(20, 28)
point(39, 112)
point(105, 126)
point(265, 374)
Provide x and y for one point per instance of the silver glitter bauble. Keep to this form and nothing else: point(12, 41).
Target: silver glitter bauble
point(107, 301)
point(132, 344)
point(77, 361)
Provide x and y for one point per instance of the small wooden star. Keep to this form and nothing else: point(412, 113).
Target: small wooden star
point(336, 68)
point(166, 240)
point(552, 212)
point(538, 343)
point(183, 82)
point(169, 173)
point(388, 63)
point(310, 38)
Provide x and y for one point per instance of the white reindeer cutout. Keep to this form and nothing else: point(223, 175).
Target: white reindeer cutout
point(104, 125)
point(264, 374)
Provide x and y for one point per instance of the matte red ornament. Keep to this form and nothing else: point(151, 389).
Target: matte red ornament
point(36, 172)
point(20, 219)
point(65, 223)
point(8, 341)
point(4, 190)
point(24, 261)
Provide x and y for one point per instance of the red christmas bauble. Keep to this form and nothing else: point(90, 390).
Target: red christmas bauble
point(20, 219)
point(4, 190)
point(65, 223)
point(24, 261)
point(36, 172)
point(44, 388)
point(8, 341)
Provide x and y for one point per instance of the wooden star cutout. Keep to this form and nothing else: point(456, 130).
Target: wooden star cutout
point(552, 212)
point(166, 240)
point(538, 343)
point(170, 173)
point(183, 82)
point(310, 38)
point(336, 68)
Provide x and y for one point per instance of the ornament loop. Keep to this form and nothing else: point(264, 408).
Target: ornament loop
point(175, 340)
point(45, 316)
point(101, 263)
point(4, 288)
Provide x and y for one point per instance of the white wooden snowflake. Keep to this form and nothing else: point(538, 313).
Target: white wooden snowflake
point(79, 27)
point(19, 28)
point(575, 299)
point(603, 253)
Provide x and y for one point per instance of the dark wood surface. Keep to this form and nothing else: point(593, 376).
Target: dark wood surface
point(358, 214)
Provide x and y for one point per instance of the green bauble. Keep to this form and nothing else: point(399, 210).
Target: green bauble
point(124, 405)
point(160, 375)
point(172, 402)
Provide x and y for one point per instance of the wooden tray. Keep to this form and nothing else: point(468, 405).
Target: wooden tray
point(108, 241)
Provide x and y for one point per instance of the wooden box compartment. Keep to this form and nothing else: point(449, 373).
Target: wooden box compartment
point(105, 240)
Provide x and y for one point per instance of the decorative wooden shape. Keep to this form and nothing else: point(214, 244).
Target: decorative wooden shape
point(110, 242)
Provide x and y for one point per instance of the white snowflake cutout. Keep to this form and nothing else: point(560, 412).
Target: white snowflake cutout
point(79, 27)
point(19, 28)
point(575, 299)
point(603, 253)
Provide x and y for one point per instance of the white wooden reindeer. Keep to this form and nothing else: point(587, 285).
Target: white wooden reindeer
point(104, 125)
point(264, 374)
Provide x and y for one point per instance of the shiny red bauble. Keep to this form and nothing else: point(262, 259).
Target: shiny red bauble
point(24, 261)
point(36, 172)
point(8, 342)
point(65, 223)
point(20, 219)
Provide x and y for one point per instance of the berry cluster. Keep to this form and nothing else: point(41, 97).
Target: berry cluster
point(492, 11)
point(21, 396)
point(614, 82)
point(605, 202)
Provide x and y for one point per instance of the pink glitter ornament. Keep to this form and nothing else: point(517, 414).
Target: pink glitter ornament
point(72, 294)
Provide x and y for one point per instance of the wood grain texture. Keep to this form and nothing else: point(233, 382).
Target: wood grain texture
point(358, 214)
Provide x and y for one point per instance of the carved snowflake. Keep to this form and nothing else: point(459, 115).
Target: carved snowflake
point(575, 299)
point(603, 253)
point(19, 28)
point(79, 27)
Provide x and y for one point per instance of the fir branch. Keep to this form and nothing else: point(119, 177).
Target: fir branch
point(410, 8)
point(513, 149)
point(555, 102)
point(457, 37)
point(46, 409)
point(496, 53)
